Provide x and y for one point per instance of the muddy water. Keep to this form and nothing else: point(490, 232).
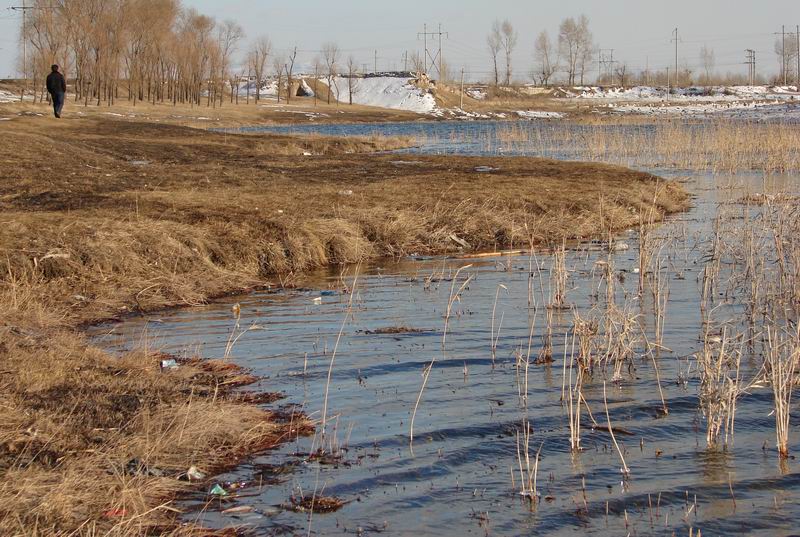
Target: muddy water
point(458, 478)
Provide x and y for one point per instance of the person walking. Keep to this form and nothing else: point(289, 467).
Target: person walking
point(57, 88)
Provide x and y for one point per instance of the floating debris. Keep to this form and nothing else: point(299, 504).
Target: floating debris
point(218, 490)
point(193, 474)
point(238, 510)
point(317, 504)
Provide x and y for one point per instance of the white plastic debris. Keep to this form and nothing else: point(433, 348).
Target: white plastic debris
point(193, 474)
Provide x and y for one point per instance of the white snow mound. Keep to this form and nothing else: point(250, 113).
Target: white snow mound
point(385, 92)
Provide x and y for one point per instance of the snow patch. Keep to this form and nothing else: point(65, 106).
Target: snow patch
point(476, 93)
point(539, 114)
point(397, 93)
point(757, 110)
point(306, 88)
point(692, 93)
point(8, 97)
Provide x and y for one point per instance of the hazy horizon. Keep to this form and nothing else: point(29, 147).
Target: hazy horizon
point(640, 33)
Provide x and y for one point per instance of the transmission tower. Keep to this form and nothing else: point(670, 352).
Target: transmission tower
point(429, 51)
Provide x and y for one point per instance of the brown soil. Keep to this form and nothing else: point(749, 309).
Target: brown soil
point(102, 217)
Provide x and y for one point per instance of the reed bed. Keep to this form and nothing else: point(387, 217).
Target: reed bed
point(718, 146)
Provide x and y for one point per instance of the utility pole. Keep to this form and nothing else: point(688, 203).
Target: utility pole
point(428, 53)
point(461, 106)
point(668, 85)
point(675, 32)
point(605, 61)
point(405, 62)
point(441, 56)
point(751, 63)
point(599, 65)
point(376, 62)
point(784, 62)
point(797, 52)
point(783, 52)
point(611, 67)
point(24, 8)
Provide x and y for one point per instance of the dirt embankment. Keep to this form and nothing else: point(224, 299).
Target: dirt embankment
point(103, 217)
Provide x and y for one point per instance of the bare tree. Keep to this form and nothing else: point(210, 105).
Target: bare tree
point(278, 64)
point(352, 77)
point(585, 39)
point(508, 42)
point(317, 68)
point(575, 46)
point(494, 42)
point(787, 56)
point(621, 70)
point(546, 59)
point(330, 55)
point(229, 34)
point(417, 63)
point(158, 48)
point(258, 60)
point(289, 66)
point(708, 61)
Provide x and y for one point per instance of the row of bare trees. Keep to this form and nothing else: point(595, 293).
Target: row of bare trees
point(572, 52)
point(154, 50)
point(158, 51)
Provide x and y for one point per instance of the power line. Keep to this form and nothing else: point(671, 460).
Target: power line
point(425, 34)
point(751, 63)
point(676, 39)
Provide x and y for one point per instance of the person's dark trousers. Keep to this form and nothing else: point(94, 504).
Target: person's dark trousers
point(58, 103)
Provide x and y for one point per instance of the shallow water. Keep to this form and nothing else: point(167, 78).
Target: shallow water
point(458, 478)
point(482, 137)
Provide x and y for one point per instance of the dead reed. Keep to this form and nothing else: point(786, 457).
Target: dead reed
point(528, 473)
point(719, 146)
point(719, 364)
point(781, 356)
point(455, 296)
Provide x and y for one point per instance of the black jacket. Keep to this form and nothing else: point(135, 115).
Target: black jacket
point(56, 83)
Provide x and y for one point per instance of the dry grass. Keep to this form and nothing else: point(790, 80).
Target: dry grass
point(102, 217)
point(74, 418)
point(267, 111)
point(719, 146)
point(92, 233)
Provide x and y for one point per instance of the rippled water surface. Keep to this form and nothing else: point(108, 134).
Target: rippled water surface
point(458, 478)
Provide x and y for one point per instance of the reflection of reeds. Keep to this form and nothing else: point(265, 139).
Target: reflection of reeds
point(558, 277)
point(574, 396)
point(455, 296)
point(625, 470)
point(528, 473)
point(496, 337)
point(347, 316)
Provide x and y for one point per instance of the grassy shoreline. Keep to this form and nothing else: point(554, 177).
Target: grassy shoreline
point(104, 217)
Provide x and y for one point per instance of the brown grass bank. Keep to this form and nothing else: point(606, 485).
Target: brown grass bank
point(103, 217)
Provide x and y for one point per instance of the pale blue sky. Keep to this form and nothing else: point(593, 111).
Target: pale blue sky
point(639, 31)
